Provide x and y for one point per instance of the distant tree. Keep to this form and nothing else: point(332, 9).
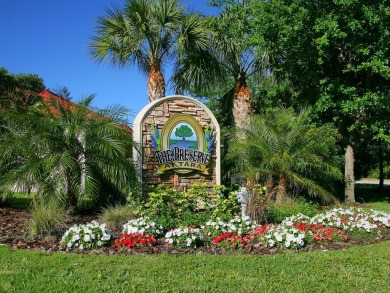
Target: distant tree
point(150, 34)
point(19, 91)
point(183, 131)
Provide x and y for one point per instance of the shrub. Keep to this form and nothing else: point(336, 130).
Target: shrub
point(200, 192)
point(116, 216)
point(277, 212)
point(165, 205)
point(172, 208)
point(225, 205)
point(197, 219)
point(374, 172)
point(48, 219)
point(87, 236)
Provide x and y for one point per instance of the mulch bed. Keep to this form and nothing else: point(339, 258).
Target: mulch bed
point(15, 233)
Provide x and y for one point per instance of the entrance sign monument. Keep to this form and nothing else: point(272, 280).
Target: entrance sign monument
point(177, 141)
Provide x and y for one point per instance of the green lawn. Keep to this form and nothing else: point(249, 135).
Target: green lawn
point(358, 269)
point(369, 195)
point(366, 193)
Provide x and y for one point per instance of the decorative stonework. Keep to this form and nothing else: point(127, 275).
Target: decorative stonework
point(178, 143)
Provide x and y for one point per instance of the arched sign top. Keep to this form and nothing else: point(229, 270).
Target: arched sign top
point(144, 112)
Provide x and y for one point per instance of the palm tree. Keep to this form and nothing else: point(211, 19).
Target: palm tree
point(282, 151)
point(232, 58)
point(67, 151)
point(148, 33)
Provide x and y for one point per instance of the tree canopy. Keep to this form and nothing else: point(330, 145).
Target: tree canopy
point(335, 56)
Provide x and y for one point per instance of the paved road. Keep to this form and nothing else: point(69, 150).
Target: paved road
point(372, 181)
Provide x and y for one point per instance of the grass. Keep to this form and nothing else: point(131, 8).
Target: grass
point(48, 219)
point(367, 193)
point(358, 269)
point(116, 216)
point(372, 198)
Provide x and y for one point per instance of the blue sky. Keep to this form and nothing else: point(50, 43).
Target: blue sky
point(50, 38)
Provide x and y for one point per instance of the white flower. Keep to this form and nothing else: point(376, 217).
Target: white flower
point(278, 237)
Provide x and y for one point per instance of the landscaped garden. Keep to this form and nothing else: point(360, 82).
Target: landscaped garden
point(337, 249)
point(77, 214)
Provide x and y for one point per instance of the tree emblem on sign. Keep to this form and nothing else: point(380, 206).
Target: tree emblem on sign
point(184, 131)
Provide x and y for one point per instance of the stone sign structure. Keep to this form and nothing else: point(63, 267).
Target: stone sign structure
point(177, 143)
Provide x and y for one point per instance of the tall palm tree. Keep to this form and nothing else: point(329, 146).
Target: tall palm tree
point(232, 57)
point(282, 151)
point(67, 151)
point(148, 33)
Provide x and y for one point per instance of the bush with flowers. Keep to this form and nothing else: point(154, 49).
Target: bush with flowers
point(214, 228)
point(133, 240)
point(143, 225)
point(87, 236)
point(232, 241)
point(282, 236)
point(240, 226)
point(354, 221)
point(318, 233)
point(185, 237)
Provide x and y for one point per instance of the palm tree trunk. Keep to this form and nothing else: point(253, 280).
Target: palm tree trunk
point(156, 83)
point(281, 189)
point(349, 175)
point(242, 103)
point(71, 196)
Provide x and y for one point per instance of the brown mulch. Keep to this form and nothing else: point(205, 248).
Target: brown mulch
point(15, 233)
point(15, 230)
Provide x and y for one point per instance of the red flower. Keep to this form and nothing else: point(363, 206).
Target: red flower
point(261, 230)
point(133, 240)
point(230, 241)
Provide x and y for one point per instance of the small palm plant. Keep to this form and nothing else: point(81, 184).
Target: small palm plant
point(285, 153)
point(67, 151)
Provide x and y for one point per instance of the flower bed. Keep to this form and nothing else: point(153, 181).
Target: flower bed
point(296, 232)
